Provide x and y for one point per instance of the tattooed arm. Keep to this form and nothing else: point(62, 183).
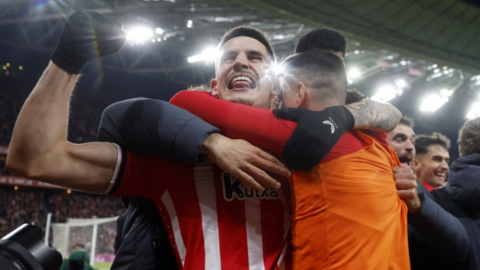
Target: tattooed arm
point(375, 116)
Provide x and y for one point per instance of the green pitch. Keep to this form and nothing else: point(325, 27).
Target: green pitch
point(102, 266)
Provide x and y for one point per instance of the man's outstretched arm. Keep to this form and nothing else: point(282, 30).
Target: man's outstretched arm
point(39, 148)
point(155, 127)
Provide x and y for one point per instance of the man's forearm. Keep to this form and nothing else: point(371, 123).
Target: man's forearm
point(374, 116)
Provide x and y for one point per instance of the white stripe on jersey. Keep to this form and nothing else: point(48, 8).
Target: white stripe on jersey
point(208, 207)
point(286, 228)
point(281, 259)
point(254, 235)
point(167, 201)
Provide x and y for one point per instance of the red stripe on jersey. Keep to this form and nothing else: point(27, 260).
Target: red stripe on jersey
point(231, 254)
point(270, 217)
point(188, 211)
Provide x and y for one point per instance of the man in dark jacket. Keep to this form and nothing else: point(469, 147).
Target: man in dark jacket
point(431, 230)
point(461, 195)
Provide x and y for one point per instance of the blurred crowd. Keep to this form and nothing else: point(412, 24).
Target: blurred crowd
point(31, 205)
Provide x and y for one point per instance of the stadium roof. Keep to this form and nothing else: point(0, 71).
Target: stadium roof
point(401, 51)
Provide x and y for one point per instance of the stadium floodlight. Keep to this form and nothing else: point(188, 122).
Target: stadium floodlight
point(208, 55)
point(189, 24)
point(474, 111)
point(386, 93)
point(354, 73)
point(432, 102)
point(446, 92)
point(401, 83)
point(139, 34)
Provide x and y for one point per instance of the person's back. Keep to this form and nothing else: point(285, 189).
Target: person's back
point(346, 212)
point(78, 260)
point(349, 205)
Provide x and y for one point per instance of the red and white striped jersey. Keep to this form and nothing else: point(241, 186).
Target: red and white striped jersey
point(214, 221)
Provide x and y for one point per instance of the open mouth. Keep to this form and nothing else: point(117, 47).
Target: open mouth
point(241, 82)
point(405, 161)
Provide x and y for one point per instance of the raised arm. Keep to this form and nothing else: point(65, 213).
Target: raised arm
point(39, 148)
point(375, 116)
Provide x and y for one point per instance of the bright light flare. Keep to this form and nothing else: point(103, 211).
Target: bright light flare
point(189, 24)
point(159, 30)
point(208, 55)
point(474, 111)
point(432, 102)
point(354, 73)
point(446, 92)
point(387, 93)
point(277, 69)
point(401, 83)
point(139, 34)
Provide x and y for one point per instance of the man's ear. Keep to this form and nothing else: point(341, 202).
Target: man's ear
point(301, 95)
point(214, 87)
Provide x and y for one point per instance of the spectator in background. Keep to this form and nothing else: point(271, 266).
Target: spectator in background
point(325, 39)
point(431, 229)
point(431, 161)
point(78, 259)
point(402, 140)
point(461, 195)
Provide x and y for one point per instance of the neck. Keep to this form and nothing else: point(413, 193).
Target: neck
point(320, 105)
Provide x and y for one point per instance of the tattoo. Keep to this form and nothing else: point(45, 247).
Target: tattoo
point(374, 116)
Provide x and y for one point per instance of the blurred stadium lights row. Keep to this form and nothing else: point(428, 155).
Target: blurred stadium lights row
point(398, 75)
point(139, 35)
point(442, 82)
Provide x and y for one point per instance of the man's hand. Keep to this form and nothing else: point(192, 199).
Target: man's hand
point(242, 160)
point(406, 184)
point(86, 36)
point(315, 135)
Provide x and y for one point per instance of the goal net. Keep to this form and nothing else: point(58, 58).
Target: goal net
point(96, 234)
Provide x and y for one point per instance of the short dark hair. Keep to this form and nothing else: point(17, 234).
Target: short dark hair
point(354, 95)
point(320, 70)
point(407, 121)
point(422, 142)
point(78, 245)
point(325, 39)
point(469, 137)
point(251, 32)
